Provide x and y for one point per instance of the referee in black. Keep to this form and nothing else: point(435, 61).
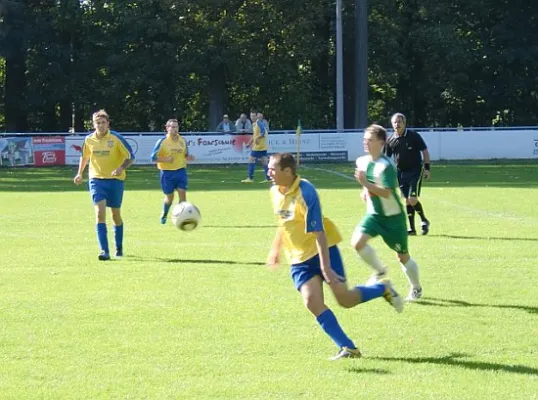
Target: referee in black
point(413, 162)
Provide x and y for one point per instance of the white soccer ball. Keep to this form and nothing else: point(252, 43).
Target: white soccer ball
point(186, 216)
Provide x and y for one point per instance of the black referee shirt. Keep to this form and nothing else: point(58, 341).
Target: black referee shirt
point(406, 150)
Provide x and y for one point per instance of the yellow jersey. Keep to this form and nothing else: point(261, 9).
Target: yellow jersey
point(299, 215)
point(259, 136)
point(166, 147)
point(106, 154)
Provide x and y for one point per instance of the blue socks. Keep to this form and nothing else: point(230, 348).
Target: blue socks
point(118, 236)
point(265, 169)
point(102, 237)
point(166, 208)
point(371, 292)
point(251, 170)
point(330, 325)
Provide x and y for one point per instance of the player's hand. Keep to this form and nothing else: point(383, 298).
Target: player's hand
point(329, 275)
point(427, 174)
point(360, 176)
point(273, 261)
point(190, 158)
point(78, 179)
point(249, 144)
point(364, 194)
point(117, 171)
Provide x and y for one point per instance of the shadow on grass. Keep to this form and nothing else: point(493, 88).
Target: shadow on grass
point(207, 261)
point(241, 226)
point(376, 371)
point(456, 360)
point(486, 238)
point(191, 261)
point(505, 173)
point(432, 301)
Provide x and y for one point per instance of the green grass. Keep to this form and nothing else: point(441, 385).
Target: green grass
point(198, 316)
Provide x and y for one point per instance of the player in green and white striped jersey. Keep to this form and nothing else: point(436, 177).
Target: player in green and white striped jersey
point(385, 213)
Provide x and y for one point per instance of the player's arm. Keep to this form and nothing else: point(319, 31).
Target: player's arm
point(324, 259)
point(371, 187)
point(314, 224)
point(188, 156)
point(126, 153)
point(273, 259)
point(425, 156)
point(156, 154)
point(82, 163)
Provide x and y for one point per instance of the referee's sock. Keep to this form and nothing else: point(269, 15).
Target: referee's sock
point(420, 211)
point(411, 216)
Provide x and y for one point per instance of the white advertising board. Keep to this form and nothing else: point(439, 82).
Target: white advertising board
point(224, 149)
point(320, 147)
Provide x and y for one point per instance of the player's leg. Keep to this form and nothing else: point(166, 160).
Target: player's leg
point(410, 268)
point(310, 285)
point(182, 184)
point(114, 201)
point(264, 162)
point(167, 186)
point(416, 187)
point(348, 298)
point(98, 192)
point(251, 168)
point(102, 236)
point(395, 236)
point(364, 231)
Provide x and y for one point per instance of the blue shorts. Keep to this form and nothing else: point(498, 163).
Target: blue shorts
point(258, 153)
point(110, 190)
point(303, 272)
point(172, 180)
point(410, 182)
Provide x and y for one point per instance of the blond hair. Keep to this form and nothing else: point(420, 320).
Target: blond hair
point(100, 114)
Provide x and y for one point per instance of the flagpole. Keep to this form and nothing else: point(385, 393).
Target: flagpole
point(298, 136)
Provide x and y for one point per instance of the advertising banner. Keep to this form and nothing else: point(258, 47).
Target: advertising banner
point(228, 149)
point(49, 150)
point(15, 151)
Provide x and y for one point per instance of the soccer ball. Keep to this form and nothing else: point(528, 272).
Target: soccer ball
point(186, 216)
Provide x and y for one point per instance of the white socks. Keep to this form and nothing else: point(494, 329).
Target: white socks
point(411, 270)
point(369, 256)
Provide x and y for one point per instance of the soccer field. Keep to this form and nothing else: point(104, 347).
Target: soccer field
point(198, 316)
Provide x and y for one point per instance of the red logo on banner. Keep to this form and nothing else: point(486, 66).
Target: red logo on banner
point(239, 141)
point(49, 150)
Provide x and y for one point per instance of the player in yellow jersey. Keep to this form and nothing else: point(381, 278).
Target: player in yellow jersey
point(171, 154)
point(310, 242)
point(109, 155)
point(258, 143)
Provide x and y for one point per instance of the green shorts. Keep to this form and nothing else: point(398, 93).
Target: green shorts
point(392, 229)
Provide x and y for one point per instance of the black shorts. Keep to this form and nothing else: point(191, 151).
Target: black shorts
point(410, 182)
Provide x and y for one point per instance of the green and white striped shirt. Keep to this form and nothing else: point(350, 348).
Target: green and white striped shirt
point(381, 172)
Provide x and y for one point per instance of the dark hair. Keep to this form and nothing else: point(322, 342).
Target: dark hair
point(285, 160)
point(378, 131)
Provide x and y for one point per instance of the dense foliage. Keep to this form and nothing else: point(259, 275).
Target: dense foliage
point(442, 62)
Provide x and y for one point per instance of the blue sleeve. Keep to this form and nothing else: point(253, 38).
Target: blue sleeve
point(156, 149)
point(125, 144)
point(261, 125)
point(314, 219)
